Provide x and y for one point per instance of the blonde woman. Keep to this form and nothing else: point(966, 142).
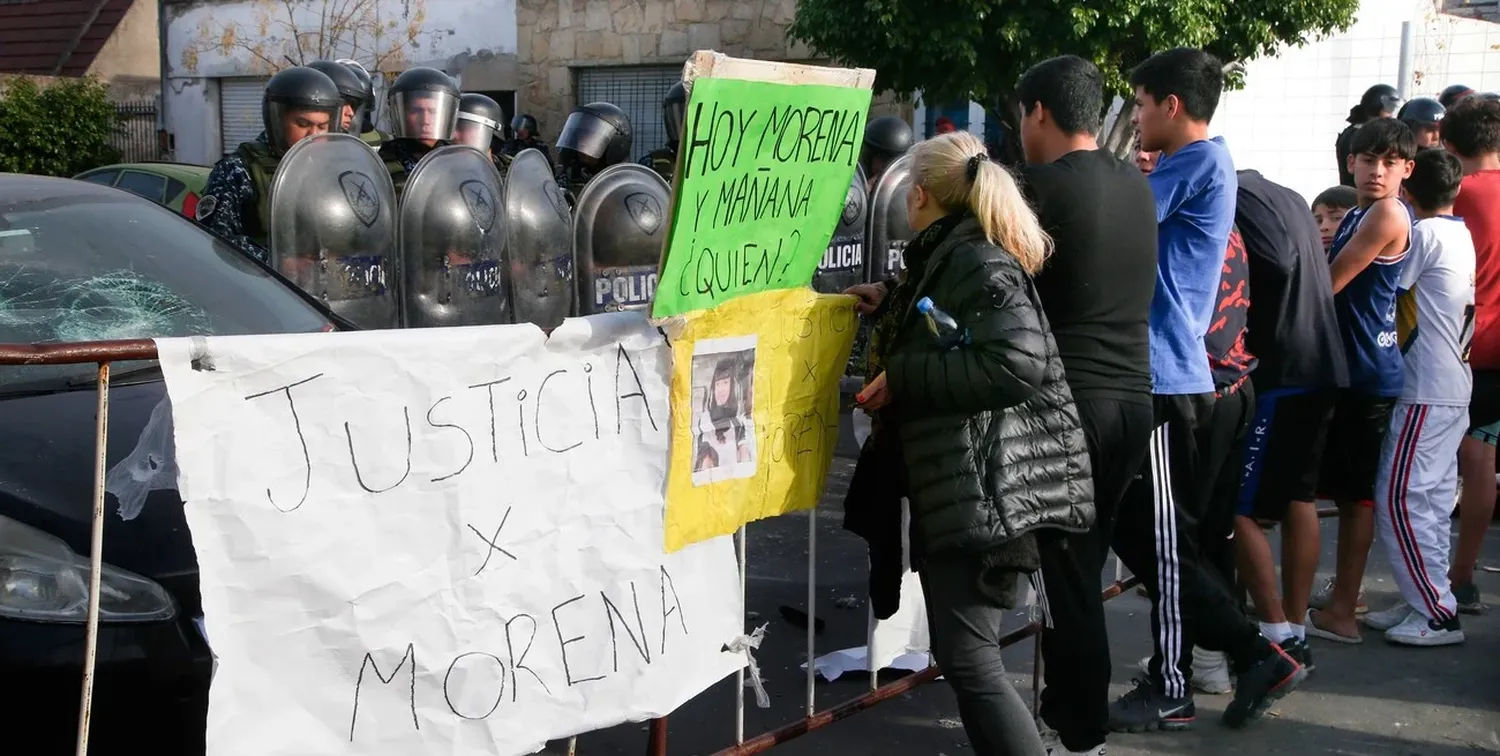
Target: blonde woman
point(983, 439)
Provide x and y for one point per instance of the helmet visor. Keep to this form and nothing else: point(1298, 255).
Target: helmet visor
point(672, 116)
point(474, 130)
point(424, 115)
point(586, 134)
point(290, 123)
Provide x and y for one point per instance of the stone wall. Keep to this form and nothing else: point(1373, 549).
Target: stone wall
point(555, 37)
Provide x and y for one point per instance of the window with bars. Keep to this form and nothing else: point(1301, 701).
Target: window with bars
point(638, 91)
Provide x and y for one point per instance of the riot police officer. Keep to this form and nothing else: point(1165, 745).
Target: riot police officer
point(886, 138)
point(525, 133)
point(298, 102)
point(1379, 101)
point(1424, 115)
point(479, 117)
point(663, 159)
point(424, 107)
point(365, 127)
point(595, 136)
point(350, 88)
point(1452, 94)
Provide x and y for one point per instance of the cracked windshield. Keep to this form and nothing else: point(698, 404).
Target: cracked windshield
point(96, 266)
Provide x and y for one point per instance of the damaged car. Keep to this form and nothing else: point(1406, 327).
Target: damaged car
point(82, 262)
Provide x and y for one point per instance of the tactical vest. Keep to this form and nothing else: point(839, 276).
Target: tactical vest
point(261, 165)
point(398, 175)
point(664, 162)
point(374, 138)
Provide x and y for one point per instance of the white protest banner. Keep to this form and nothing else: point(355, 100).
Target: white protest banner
point(444, 540)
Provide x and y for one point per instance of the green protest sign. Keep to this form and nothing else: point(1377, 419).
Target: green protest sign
point(763, 172)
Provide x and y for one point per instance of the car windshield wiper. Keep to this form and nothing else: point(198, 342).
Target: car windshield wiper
point(117, 378)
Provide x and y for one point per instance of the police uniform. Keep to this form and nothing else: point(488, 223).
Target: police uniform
point(663, 160)
point(401, 157)
point(375, 138)
point(515, 146)
point(236, 200)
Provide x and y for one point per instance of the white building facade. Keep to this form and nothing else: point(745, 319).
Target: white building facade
point(218, 54)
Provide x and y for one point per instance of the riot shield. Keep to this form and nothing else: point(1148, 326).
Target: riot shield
point(619, 230)
point(541, 243)
point(887, 233)
point(333, 228)
point(843, 263)
point(452, 240)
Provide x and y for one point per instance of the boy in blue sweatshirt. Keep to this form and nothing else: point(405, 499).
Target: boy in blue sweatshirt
point(1176, 94)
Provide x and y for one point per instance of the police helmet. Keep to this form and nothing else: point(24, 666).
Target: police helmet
point(889, 136)
point(527, 123)
point(295, 90)
point(1421, 112)
point(1453, 94)
point(479, 117)
point(424, 104)
point(1379, 100)
point(350, 88)
point(599, 131)
point(673, 109)
point(367, 93)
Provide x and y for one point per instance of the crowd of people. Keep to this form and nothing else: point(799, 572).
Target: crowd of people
point(1167, 359)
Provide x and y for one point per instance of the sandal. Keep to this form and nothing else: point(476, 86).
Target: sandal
point(1317, 632)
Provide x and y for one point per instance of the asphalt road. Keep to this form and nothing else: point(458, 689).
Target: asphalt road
point(1374, 699)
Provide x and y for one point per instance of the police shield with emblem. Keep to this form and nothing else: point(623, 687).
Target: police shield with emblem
point(453, 241)
point(843, 263)
point(541, 242)
point(619, 229)
point(887, 233)
point(333, 228)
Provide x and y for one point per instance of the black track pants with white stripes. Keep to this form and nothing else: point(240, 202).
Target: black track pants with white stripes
point(1156, 536)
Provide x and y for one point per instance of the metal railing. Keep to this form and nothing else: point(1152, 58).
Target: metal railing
point(136, 135)
point(103, 353)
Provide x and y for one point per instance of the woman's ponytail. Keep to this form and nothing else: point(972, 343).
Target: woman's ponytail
point(956, 169)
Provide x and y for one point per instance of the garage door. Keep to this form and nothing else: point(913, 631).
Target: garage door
point(239, 111)
point(638, 92)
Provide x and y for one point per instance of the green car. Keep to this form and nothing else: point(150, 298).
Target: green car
point(174, 185)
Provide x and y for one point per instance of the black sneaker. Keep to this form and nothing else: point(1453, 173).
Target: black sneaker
point(1300, 652)
point(1261, 685)
point(1145, 709)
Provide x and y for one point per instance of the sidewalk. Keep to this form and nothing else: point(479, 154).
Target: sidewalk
point(1374, 699)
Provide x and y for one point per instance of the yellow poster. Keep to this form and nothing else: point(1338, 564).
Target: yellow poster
point(755, 408)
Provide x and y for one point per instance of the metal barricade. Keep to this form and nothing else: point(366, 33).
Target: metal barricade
point(103, 353)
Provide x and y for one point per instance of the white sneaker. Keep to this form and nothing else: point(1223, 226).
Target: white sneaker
point(1052, 743)
point(1417, 630)
point(1210, 671)
point(1385, 620)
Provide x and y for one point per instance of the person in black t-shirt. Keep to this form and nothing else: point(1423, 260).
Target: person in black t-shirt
point(1096, 291)
point(1293, 330)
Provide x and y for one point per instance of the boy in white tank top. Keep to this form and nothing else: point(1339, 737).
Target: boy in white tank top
point(1419, 460)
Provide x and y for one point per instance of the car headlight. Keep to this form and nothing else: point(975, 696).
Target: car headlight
point(42, 580)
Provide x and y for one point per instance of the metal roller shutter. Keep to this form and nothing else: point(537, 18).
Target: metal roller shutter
point(638, 92)
point(239, 110)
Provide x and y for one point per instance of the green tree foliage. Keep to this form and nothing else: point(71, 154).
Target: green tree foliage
point(61, 129)
point(954, 50)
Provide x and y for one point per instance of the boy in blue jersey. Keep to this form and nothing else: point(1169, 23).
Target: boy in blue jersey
point(1365, 267)
point(1156, 533)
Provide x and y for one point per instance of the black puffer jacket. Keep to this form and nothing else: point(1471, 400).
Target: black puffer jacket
point(990, 434)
